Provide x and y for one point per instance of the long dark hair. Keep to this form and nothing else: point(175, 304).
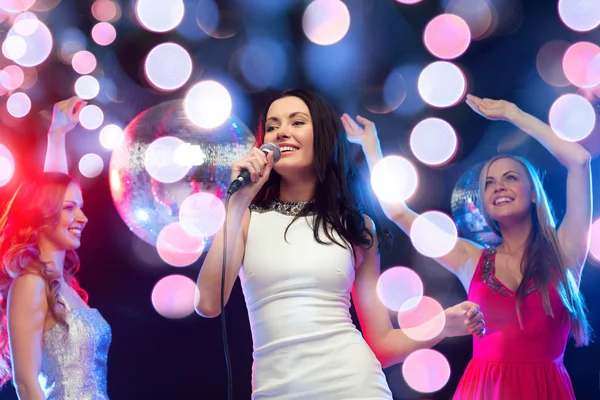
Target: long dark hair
point(339, 203)
point(543, 260)
point(37, 203)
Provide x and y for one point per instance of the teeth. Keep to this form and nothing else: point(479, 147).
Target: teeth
point(503, 200)
point(288, 148)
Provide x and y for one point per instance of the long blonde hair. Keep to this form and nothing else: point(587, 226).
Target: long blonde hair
point(543, 260)
point(37, 203)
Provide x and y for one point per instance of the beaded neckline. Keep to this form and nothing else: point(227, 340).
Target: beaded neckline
point(285, 207)
point(489, 277)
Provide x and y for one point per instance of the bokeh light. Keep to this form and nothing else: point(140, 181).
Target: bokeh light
point(159, 15)
point(572, 117)
point(18, 105)
point(423, 322)
point(37, 40)
point(399, 288)
point(87, 87)
point(433, 141)
point(168, 66)
point(84, 62)
point(576, 64)
point(447, 36)
point(433, 234)
point(549, 62)
point(91, 165)
point(14, 47)
point(173, 296)
point(594, 236)
point(91, 117)
point(12, 77)
point(202, 214)
point(7, 165)
point(442, 84)
point(408, 2)
point(208, 104)
point(103, 33)
point(478, 15)
point(111, 136)
point(579, 15)
point(160, 161)
point(16, 6)
point(426, 370)
point(176, 247)
point(104, 10)
point(326, 22)
point(394, 179)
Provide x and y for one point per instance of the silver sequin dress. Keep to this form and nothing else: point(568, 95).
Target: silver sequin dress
point(74, 361)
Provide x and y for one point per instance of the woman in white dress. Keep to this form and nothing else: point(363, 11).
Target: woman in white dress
point(307, 249)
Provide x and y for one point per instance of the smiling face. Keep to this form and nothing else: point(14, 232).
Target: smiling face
point(508, 190)
point(289, 124)
point(66, 234)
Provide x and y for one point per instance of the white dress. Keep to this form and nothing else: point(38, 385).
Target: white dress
point(298, 299)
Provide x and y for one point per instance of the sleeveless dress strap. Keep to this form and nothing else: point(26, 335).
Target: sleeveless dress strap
point(65, 303)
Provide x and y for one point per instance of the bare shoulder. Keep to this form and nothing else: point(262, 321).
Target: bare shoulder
point(28, 290)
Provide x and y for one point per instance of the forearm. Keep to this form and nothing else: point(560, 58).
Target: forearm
point(372, 150)
point(570, 154)
point(56, 154)
point(209, 279)
point(29, 390)
point(394, 347)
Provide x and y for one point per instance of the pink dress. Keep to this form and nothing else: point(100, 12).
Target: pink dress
point(509, 362)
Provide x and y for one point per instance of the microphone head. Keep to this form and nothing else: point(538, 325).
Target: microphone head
point(271, 147)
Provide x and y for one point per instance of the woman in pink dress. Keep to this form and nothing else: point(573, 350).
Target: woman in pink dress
point(528, 286)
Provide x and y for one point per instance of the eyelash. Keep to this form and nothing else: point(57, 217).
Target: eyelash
point(514, 178)
point(270, 128)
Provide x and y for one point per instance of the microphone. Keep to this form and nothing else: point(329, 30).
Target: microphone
point(244, 176)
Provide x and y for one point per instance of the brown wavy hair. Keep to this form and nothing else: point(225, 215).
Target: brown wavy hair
point(36, 204)
point(543, 260)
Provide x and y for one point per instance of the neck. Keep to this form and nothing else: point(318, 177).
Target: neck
point(53, 256)
point(297, 189)
point(514, 236)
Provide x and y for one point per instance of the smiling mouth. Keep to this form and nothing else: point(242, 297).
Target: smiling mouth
point(503, 200)
point(75, 232)
point(288, 149)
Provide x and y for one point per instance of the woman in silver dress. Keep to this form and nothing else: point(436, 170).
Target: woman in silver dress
point(52, 344)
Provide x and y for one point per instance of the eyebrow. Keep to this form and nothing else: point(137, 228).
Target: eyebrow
point(73, 202)
point(292, 115)
point(506, 173)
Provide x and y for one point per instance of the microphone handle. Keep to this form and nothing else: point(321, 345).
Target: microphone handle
point(241, 180)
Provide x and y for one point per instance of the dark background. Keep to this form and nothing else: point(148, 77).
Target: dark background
point(155, 358)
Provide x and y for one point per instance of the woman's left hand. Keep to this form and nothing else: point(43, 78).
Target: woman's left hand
point(492, 109)
point(464, 319)
point(65, 115)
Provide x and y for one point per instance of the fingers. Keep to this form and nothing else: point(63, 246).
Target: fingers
point(477, 329)
point(254, 162)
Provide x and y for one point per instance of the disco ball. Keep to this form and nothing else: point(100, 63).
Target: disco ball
point(466, 209)
point(164, 159)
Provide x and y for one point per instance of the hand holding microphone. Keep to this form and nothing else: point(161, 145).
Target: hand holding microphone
point(255, 167)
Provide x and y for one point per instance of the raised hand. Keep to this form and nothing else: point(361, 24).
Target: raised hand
point(464, 319)
point(65, 115)
point(362, 135)
point(492, 109)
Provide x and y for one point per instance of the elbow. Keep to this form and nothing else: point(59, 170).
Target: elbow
point(28, 389)
point(581, 159)
point(207, 309)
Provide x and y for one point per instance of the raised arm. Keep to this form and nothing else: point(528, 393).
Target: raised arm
point(65, 116)
point(392, 346)
point(574, 229)
point(463, 258)
point(208, 299)
point(27, 310)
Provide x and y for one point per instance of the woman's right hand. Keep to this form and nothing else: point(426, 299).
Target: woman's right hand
point(259, 166)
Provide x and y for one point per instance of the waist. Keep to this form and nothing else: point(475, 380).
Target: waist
point(295, 317)
point(500, 347)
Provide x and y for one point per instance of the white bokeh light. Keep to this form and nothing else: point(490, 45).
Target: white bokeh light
point(441, 84)
point(168, 66)
point(326, 22)
point(18, 105)
point(208, 104)
point(394, 179)
point(111, 136)
point(14, 47)
point(433, 141)
point(433, 234)
point(160, 161)
point(91, 117)
point(87, 87)
point(572, 117)
point(159, 15)
point(38, 42)
point(579, 15)
point(91, 165)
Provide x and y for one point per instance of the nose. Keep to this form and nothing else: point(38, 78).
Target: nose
point(81, 218)
point(282, 134)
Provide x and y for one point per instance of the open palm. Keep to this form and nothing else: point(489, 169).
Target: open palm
point(491, 109)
